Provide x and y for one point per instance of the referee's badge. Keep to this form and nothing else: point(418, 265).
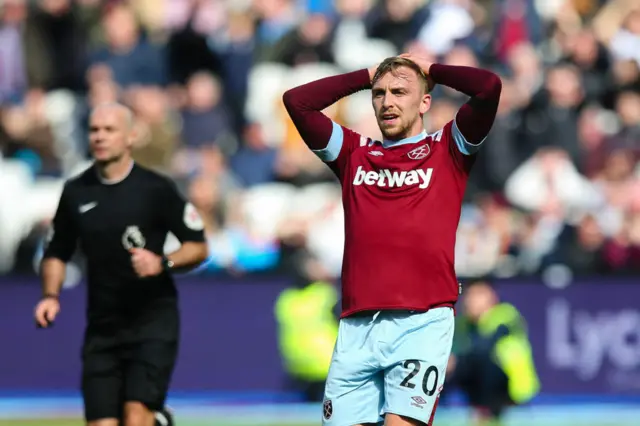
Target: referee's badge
point(192, 219)
point(133, 238)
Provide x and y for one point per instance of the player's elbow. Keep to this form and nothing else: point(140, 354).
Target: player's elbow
point(53, 269)
point(52, 264)
point(489, 98)
point(295, 103)
point(289, 100)
point(494, 86)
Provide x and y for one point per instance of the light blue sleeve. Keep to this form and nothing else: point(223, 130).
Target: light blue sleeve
point(464, 146)
point(332, 150)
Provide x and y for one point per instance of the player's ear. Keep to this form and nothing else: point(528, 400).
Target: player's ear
point(134, 133)
point(425, 103)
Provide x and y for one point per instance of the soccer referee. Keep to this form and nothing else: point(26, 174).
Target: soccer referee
point(120, 213)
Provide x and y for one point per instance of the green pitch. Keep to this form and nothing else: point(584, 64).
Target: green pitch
point(42, 412)
point(289, 416)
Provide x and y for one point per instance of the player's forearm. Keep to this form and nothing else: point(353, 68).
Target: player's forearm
point(475, 118)
point(475, 82)
point(189, 255)
point(305, 103)
point(52, 272)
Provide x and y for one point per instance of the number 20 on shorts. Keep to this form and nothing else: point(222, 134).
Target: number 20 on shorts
point(415, 367)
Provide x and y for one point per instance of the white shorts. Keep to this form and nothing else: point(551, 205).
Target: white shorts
point(390, 362)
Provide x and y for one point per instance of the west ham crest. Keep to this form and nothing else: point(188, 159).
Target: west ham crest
point(419, 153)
point(327, 409)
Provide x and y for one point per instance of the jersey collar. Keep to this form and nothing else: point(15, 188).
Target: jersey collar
point(114, 181)
point(412, 139)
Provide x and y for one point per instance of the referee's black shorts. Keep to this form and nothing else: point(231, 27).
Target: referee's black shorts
point(134, 364)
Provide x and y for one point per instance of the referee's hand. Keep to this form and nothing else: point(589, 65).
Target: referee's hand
point(46, 311)
point(145, 262)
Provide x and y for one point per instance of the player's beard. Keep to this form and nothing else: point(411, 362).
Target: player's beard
point(397, 132)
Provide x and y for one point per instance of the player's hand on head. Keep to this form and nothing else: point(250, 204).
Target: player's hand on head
point(46, 311)
point(421, 61)
point(145, 263)
point(424, 64)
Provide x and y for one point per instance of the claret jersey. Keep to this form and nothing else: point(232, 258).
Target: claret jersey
point(402, 203)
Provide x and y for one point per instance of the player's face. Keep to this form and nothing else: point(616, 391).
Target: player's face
point(399, 101)
point(110, 134)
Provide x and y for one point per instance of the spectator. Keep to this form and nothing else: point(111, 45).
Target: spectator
point(205, 118)
point(132, 59)
point(187, 49)
point(310, 42)
point(397, 21)
point(255, 161)
point(12, 68)
point(549, 184)
point(626, 43)
point(157, 128)
point(55, 46)
point(580, 248)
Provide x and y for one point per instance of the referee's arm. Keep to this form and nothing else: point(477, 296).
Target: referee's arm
point(59, 248)
point(184, 221)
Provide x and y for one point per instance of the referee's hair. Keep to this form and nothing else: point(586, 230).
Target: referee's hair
point(128, 113)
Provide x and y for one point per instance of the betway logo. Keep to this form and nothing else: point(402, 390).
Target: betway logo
point(387, 178)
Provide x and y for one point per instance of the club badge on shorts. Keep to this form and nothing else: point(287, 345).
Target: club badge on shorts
point(327, 409)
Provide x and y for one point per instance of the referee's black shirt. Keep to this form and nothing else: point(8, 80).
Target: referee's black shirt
point(106, 220)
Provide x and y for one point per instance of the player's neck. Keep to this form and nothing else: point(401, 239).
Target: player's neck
point(412, 137)
point(114, 172)
point(416, 133)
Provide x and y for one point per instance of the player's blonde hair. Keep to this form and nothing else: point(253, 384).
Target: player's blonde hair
point(390, 65)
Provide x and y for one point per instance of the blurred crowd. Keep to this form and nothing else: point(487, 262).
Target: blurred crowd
point(555, 191)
